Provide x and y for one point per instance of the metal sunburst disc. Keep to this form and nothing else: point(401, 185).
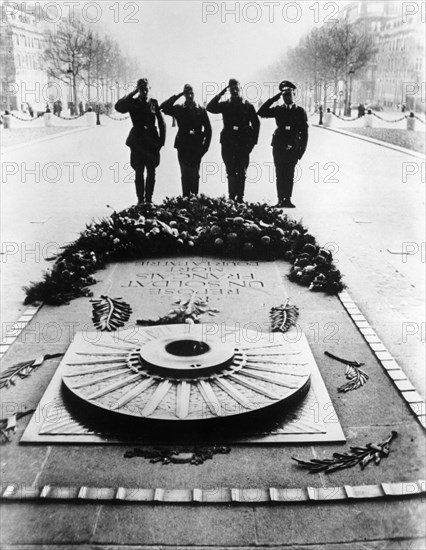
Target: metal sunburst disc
point(188, 356)
point(180, 374)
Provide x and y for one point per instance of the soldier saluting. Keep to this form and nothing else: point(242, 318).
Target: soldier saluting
point(144, 140)
point(238, 137)
point(192, 139)
point(289, 140)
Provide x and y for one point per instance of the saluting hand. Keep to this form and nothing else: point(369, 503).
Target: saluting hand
point(223, 92)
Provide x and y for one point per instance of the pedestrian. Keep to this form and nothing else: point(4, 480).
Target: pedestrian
point(289, 140)
point(361, 110)
point(238, 137)
point(58, 107)
point(192, 139)
point(81, 108)
point(144, 140)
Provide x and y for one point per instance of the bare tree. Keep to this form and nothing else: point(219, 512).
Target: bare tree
point(91, 51)
point(65, 53)
point(326, 56)
point(353, 48)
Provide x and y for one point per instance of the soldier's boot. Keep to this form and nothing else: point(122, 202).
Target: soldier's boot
point(140, 187)
point(232, 186)
point(150, 183)
point(241, 183)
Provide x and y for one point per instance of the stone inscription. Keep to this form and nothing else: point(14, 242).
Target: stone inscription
point(208, 277)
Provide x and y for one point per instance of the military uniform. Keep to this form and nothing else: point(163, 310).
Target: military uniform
point(192, 140)
point(288, 142)
point(144, 140)
point(238, 137)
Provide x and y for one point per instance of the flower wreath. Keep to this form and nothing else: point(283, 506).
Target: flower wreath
point(197, 225)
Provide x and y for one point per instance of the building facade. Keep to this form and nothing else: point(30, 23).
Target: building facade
point(24, 80)
point(395, 74)
point(400, 61)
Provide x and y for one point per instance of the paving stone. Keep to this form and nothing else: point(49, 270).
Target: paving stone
point(56, 523)
point(166, 525)
point(402, 544)
point(305, 524)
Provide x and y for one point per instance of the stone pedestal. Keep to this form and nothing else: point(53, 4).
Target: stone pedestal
point(48, 119)
point(368, 121)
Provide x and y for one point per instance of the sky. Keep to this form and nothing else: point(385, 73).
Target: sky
point(206, 42)
point(209, 42)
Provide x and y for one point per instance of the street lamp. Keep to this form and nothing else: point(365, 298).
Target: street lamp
point(117, 84)
point(351, 71)
point(340, 102)
point(70, 73)
point(334, 98)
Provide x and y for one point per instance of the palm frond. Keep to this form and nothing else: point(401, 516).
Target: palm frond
point(8, 425)
point(110, 313)
point(356, 376)
point(283, 317)
point(357, 455)
point(23, 369)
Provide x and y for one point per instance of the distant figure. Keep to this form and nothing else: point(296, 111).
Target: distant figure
point(361, 110)
point(192, 139)
point(47, 117)
point(289, 140)
point(238, 137)
point(328, 118)
point(81, 108)
point(57, 108)
point(403, 108)
point(144, 140)
point(369, 119)
point(6, 119)
point(30, 110)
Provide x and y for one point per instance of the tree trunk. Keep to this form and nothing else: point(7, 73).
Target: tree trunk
point(74, 87)
point(335, 96)
point(325, 95)
point(347, 107)
point(88, 85)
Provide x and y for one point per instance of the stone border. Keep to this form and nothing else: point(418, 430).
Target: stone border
point(405, 388)
point(16, 329)
point(386, 144)
point(219, 495)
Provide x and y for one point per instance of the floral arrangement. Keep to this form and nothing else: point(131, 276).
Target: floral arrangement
point(186, 311)
point(196, 225)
